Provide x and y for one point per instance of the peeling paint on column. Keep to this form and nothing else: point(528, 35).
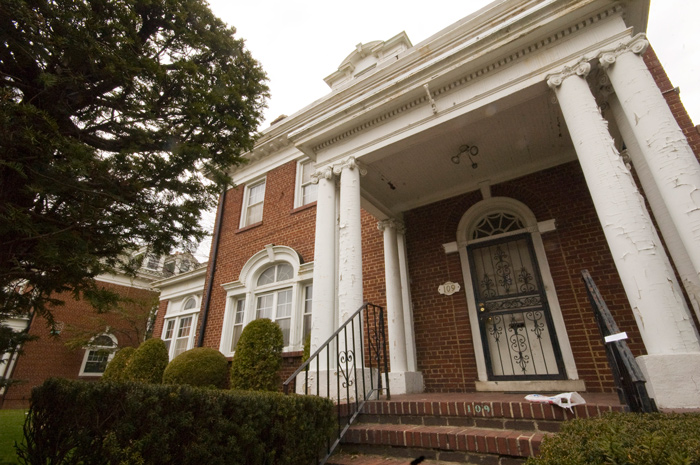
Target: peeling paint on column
point(643, 267)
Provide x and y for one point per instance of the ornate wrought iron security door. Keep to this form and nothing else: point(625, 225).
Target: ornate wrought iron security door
point(514, 318)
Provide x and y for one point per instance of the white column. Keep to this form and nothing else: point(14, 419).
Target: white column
point(689, 279)
point(350, 296)
point(394, 298)
point(406, 300)
point(323, 317)
point(656, 300)
point(657, 303)
point(671, 161)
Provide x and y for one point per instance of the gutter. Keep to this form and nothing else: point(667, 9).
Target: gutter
point(212, 267)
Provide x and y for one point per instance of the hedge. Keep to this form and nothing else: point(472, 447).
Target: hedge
point(74, 422)
point(201, 366)
point(258, 357)
point(147, 363)
point(116, 368)
point(624, 438)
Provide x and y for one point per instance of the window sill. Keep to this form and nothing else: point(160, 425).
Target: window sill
point(247, 228)
point(303, 207)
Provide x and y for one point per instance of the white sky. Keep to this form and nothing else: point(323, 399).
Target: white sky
point(301, 42)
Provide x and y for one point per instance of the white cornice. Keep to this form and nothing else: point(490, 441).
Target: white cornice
point(411, 85)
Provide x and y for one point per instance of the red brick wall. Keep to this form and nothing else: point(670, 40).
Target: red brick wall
point(49, 357)
point(443, 332)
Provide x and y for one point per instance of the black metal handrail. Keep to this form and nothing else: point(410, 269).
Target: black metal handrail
point(338, 357)
point(629, 380)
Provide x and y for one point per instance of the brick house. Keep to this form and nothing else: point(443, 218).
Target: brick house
point(463, 183)
point(59, 352)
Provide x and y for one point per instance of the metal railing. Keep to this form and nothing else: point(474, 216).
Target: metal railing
point(354, 360)
point(628, 377)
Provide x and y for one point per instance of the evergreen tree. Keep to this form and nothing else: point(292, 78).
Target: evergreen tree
point(111, 112)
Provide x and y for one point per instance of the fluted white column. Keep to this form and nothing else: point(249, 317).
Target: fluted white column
point(324, 315)
point(671, 161)
point(394, 298)
point(658, 305)
point(349, 241)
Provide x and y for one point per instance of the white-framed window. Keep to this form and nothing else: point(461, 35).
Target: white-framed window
point(179, 325)
point(273, 284)
point(306, 190)
point(253, 200)
point(97, 354)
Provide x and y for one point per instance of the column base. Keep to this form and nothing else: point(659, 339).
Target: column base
point(325, 383)
point(673, 380)
point(406, 382)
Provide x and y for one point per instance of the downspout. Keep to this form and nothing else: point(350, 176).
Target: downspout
point(212, 267)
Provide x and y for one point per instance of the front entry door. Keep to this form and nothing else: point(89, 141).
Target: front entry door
point(516, 327)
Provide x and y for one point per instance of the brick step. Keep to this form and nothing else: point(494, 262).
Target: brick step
point(500, 442)
point(373, 459)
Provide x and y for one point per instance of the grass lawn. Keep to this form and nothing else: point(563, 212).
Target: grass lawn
point(11, 422)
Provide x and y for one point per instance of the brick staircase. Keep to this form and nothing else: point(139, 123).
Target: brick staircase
point(469, 428)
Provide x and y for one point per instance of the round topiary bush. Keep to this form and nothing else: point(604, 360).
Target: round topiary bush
point(201, 366)
point(117, 366)
point(258, 357)
point(148, 362)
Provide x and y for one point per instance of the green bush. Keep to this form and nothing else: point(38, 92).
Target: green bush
point(148, 362)
point(258, 357)
point(201, 366)
point(117, 366)
point(624, 438)
point(137, 423)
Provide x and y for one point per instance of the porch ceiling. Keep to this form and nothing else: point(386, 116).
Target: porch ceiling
point(515, 136)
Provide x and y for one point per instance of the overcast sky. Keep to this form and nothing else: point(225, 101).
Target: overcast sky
point(301, 42)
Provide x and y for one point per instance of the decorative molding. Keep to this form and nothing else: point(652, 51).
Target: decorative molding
point(582, 68)
point(398, 225)
point(638, 44)
point(326, 173)
point(351, 163)
point(518, 55)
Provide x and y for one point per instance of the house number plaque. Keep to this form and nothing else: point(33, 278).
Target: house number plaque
point(448, 288)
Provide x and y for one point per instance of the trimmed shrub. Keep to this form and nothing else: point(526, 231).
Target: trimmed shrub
point(258, 357)
point(624, 438)
point(116, 367)
point(148, 362)
point(136, 423)
point(201, 366)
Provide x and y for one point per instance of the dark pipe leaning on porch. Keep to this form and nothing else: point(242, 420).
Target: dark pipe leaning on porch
point(212, 267)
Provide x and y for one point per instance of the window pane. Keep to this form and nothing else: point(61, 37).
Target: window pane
point(285, 326)
point(237, 330)
point(307, 169)
point(170, 324)
point(240, 311)
point(190, 304)
point(180, 346)
point(308, 301)
point(96, 361)
point(284, 272)
point(309, 193)
point(185, 327)
point(256, 194)
point(284, 304)
point(265, 306)
point(267, 277)
point(254, 214)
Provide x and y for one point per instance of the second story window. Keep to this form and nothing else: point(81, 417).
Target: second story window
point(253, 204)
point(306, 190)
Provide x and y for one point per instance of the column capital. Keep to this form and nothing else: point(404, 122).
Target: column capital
point(350, 163)
point(324, 173)
point(582, 68)
point(638, 45)
point(392, 223)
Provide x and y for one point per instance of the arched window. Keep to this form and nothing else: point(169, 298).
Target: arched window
point(180, 324)
point(97, 354)
point(273, 284)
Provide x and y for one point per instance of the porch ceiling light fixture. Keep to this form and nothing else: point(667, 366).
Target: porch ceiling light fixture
point(468, 150)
